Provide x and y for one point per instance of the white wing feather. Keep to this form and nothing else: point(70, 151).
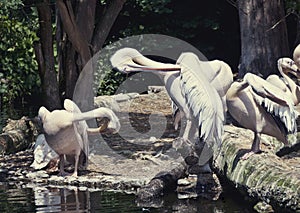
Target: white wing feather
point(80, 127)
point(43, 153)
point(274, 100)
point(202, 99)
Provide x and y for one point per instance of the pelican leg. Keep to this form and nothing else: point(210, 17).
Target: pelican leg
point(62, 166)
point(75, 173)
point(187, 130)
point(254, 148)
point(204, 156)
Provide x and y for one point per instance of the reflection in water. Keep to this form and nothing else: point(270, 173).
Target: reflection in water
point(29, 198)
point(60, 200)
point(75, 200)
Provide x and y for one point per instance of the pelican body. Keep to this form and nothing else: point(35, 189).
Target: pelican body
point(66, 131)
point(267, 106)
point(263, 106)
point(194, 89)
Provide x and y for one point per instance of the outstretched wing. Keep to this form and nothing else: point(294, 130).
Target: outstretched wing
point(274, 100)
point(202, 98)
point(80, 127)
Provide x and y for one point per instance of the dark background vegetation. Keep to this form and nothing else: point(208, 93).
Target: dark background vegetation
point(211, 26)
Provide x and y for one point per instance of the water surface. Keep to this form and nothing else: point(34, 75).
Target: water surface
point(18, 197)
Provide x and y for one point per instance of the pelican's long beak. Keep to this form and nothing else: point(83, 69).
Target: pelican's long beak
point(128, 60)
point(102, 129)
point(131, 66)
point(106, 126)
point(145, 68)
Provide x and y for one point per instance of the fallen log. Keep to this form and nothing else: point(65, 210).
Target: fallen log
point(18, 135)
point(163, 182)
point(266, 176)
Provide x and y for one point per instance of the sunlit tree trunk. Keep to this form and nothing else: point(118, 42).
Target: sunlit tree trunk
point(263, 36)
point(78, 37)
point(81, 36)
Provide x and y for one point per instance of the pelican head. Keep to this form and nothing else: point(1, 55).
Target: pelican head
point(296, 56)
point(287, 65)
point(124, 60)
point(128, 60)
point(43, 113)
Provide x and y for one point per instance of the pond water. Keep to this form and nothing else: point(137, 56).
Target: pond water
point(25, 198)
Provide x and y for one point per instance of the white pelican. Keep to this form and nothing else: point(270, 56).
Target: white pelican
point(193, 87)
point(287, 66)
point(267, 106)
point(296, 56)
point(66, 130)
point(262, 107)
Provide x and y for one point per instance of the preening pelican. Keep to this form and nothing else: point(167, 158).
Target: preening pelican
point(193, 87)
point(66, 131)
point(287, 66)
point(261, 107)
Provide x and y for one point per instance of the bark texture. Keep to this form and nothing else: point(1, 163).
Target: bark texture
point(45, 57)
point(19, 135)
point(263, 36)
point(160, 184)
point(79, 35)
point(106, 22)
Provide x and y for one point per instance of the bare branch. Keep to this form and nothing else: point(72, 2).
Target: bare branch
point(103, 27)
point(281, 20)
point(74, 34)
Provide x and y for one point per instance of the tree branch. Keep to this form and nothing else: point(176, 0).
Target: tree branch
point(103, 27)
point(40, 59)
point(73, 32)
point(85, 18)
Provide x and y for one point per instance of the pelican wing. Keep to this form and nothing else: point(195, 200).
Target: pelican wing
point(80, 127)
point(202, 99)
point(176, 114)
point(218, 74)
point(43, 153)
point(274, 100)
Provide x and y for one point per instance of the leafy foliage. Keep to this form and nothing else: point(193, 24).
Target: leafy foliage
point(18, 68)
point(211, 28)
point(292, 6)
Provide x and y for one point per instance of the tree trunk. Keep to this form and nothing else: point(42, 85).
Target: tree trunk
point(73, 40)
point(263, 36)
point(75, 31)
point(297, 40)
point(106, 22)
point(76, 34)
point(45, 57)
